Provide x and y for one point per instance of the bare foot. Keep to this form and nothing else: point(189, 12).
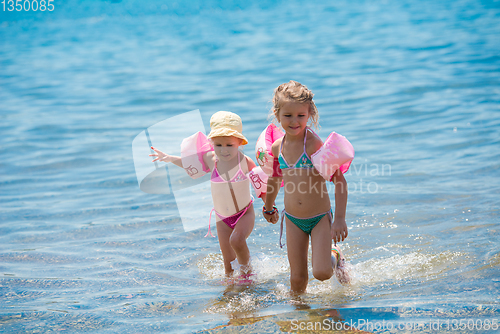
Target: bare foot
point(340, 268)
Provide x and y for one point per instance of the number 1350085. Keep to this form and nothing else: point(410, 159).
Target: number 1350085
point(27, 5)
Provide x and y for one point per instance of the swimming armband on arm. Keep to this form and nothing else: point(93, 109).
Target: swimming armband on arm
point(263, 152)
point(258, 179)
point(276, 168)
point(192, 150)
point(336, 153)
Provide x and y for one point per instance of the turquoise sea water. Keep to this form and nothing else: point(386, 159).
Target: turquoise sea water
point(414, 85)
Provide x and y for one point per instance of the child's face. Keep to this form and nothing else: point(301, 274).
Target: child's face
point(293, 117)
point(226, 148)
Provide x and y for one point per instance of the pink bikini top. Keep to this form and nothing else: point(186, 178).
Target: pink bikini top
point(238, 177)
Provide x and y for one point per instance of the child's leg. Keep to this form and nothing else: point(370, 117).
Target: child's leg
point(297, 243)
point(238, 239)
point(224, 233)
point(321, 242)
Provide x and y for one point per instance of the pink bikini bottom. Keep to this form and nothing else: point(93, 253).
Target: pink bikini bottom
point(230, 221)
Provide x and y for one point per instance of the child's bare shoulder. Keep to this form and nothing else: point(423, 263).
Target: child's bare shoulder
point(275, 148)
point(250, 163)
point(209, 155)
point(209, 159)
point(313, 142)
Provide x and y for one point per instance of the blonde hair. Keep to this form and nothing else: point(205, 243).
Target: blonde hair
point(294, 91)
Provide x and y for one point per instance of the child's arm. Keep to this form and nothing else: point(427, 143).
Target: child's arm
point(339, 227)
point(273, 188)
point(160, 156)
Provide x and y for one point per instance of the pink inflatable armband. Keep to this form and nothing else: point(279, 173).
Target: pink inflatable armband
point(336, 152)
point(192, 150)
point(263, 151)
point(259, 180)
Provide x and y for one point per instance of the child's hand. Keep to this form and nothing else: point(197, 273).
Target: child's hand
point(271, 218)
point(275, 217)
point(160, 156)
point(339, 230)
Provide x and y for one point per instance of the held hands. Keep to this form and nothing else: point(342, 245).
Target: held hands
point(271, 216)
point(339, 230)
point(160, 156)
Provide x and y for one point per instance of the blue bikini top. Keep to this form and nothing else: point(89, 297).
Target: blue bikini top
point(304, 160)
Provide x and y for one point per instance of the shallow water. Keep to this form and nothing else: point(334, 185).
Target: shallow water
point(413, 85)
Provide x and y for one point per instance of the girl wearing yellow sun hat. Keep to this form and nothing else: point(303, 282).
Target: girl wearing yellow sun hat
point(231, 171)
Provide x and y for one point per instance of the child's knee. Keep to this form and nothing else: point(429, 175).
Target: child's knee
point(323, 274)
point(298, 280)
point(237, 241)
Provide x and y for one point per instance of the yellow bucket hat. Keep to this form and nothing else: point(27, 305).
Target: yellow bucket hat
point(226, 124)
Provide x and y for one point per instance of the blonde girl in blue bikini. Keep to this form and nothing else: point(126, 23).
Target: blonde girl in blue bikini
point(307, 204)
point(230, 187)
